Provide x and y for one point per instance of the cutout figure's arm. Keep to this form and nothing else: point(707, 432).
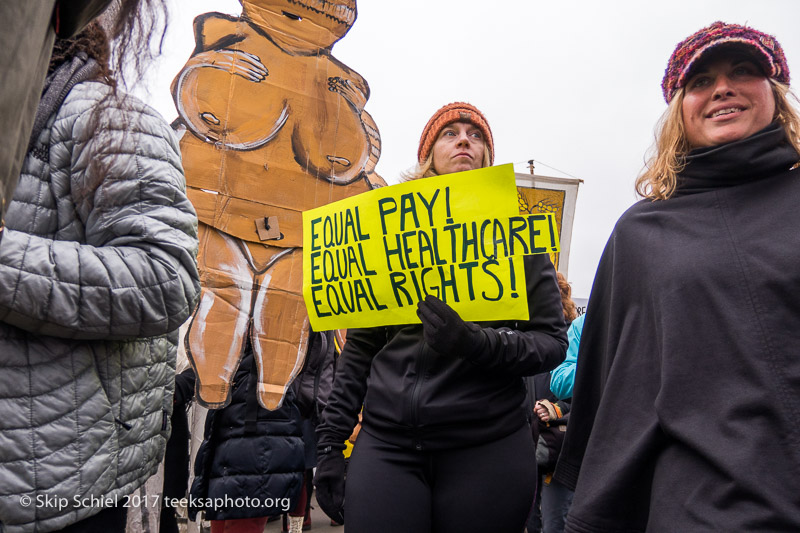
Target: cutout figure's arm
point(349, 90)
point(237, 62)
point(206, 121)
point(212, 31)
point(351, 86)
point(217, 37)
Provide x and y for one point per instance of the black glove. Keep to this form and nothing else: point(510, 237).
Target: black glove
point(184, 387)
point(446, 332)
point(329, 480)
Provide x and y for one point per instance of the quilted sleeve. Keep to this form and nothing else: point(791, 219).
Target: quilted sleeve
point(130, 270)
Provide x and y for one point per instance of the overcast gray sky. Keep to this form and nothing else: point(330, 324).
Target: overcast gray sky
point(574, 85)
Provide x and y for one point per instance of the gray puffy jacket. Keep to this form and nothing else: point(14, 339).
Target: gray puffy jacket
point(97, 271)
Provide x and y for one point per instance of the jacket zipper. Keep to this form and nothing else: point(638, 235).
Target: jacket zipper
point(415, 392)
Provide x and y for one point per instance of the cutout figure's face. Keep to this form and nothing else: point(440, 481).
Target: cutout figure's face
point(726, 99)
point(459, 146)
point(303, 25)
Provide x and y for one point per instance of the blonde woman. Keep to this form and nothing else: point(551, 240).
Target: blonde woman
point(686, 405)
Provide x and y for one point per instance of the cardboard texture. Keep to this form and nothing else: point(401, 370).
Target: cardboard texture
point(268, 228)
point(276, 125)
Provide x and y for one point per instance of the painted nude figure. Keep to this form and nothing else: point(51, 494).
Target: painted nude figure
point(276, 125)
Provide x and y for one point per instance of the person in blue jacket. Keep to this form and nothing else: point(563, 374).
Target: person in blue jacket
point(562, 378)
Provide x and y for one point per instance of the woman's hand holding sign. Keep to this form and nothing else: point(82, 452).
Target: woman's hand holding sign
point(446, 332)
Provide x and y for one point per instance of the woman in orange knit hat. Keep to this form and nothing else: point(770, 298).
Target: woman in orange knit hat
point(445, 443)
point(444, 123)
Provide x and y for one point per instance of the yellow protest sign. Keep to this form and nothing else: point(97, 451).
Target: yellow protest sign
point(369, 259)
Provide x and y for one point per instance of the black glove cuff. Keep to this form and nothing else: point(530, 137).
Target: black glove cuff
point(326, 449)
point(477, 345)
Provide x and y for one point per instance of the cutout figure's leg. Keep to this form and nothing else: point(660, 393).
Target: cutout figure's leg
point(280, 327)
point(216, 334)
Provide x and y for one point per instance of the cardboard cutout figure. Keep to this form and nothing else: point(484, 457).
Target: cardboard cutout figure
point(276, 126)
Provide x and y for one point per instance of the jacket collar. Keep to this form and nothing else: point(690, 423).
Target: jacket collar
point(762, 155)
point(56, 87)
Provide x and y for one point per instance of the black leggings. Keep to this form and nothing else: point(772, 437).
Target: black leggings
point(109, 520)
point(482, 488)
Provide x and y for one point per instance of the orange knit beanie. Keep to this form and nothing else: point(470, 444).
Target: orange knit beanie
point(455, 112)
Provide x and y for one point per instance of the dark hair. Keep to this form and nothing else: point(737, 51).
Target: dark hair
point(94, 42)
point(137, 33)
point(124, 39)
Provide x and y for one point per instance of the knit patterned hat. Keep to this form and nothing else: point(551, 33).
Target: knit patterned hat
point(455, 112)
point(765, 48)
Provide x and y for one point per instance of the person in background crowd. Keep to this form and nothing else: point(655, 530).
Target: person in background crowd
point(686, 405)
point(176, 455)
point(248, 452)
point(551, 415)
point(562, 378)
point(445, 443)
point(553, 418)
point(312, 388)
point(97, 266)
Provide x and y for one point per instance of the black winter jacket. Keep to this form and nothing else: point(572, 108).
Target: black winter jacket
point(249, 452)
point(418, 398)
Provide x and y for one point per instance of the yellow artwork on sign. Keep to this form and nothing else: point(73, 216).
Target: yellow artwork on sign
point(540, 200)
point(369, 259)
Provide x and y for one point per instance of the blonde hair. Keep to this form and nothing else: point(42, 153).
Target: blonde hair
point(426, 168)
point(659, 178)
